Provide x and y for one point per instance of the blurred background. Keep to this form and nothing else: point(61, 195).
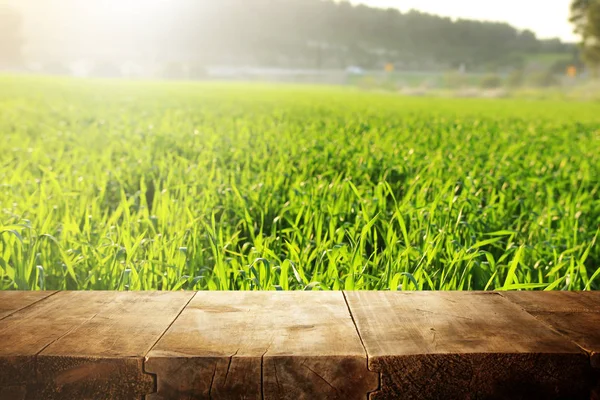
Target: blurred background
point(417, 47)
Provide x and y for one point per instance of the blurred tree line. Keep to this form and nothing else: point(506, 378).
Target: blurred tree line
point(585, 15)
point(316, 34)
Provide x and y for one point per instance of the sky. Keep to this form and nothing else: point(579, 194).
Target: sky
point(547, 18)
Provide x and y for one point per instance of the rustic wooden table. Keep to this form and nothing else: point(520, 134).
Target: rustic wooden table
point(299, 345)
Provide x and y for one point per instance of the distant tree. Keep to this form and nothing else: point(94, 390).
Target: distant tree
point(560, 66)
point(11, 39)
point(314, 34)
point(585, 16)
point(544, 79)
point(454, 80)
point(491, 82)
point(515, 79)
point(322, 33)
point(527, 41)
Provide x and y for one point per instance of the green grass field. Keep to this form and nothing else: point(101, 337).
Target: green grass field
point(108, 185)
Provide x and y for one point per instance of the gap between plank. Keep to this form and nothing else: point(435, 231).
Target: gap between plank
point(144, 358)
point(363, 345)
point(73, 329)
point(588, 353)
point(29, 305)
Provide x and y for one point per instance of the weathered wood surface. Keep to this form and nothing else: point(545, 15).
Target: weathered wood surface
point(295, 345)
point(575, 302)
point(84, 345)
point(13, 301)
point(464, 346)
point(576, 315)
point(305, 345)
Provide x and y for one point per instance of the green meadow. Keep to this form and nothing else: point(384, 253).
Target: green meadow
point(230, 186)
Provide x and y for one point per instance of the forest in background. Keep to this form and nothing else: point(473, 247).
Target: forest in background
point(277, 33)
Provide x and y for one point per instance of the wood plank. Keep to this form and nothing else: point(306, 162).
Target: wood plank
point(465, 345)
point(580, 327)
point(556, 301)
point(238, 345)
point(575, 315)
point(85, 345)
point(26, 333)
point(13, 301)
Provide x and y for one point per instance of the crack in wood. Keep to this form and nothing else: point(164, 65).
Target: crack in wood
point(401, 336)
point(449, 315)
point(303, 364)
point(428, 351)
point(262, 372)
point(229, 365)
point(277, 379)
point(212, 380)
point(379, 374)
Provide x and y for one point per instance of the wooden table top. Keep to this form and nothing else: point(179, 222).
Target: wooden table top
point(299, 345)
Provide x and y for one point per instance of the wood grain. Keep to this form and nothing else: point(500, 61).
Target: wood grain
point(85, 345)
point(465, 345)
point(581, 328)
point(304, 345)
point(555, 301)
point(13, 301)
point(26, 333)
point(293, 345)
point(576, 315)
